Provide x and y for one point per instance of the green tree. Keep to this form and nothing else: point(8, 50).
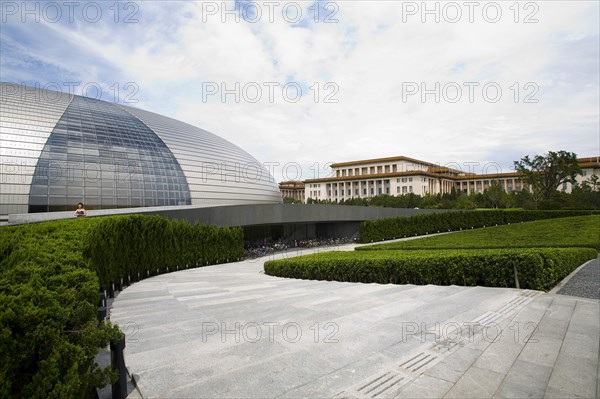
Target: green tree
point(494, 195)
point(290, 200)
point(546, 173)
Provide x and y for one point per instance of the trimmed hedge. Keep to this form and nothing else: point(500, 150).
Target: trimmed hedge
point(49, 284)
point(139, 246)
point(538, 269)
point(391, 228)
point(49, 330)
point(577, 231)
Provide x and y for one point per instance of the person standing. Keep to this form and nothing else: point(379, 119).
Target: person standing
point(80, 211)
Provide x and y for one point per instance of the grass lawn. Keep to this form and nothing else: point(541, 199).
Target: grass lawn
point(578, 231)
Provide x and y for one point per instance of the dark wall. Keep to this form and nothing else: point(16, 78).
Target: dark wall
point(268, 214)
point(288, 222)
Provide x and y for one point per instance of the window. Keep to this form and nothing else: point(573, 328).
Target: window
point(398, 189)
point(404, 180)
point(410, 179)
point(398, 180)
point(404, 189)
point(584, 173)
point(410, 188)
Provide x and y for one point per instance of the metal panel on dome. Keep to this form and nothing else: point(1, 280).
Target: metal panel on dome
point(112, 156)
point(27, 117)
point(218, 172)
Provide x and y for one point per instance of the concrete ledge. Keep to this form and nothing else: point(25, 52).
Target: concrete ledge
point(243, 215)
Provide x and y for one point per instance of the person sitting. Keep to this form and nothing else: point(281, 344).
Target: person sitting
point(80, 211)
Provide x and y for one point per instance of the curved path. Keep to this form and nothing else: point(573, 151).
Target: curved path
point(230, 331)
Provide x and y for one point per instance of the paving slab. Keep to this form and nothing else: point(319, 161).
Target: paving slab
point(230, 331)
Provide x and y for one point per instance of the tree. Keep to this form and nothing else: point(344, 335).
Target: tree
point(494, 194)
point(291, 200)
point(546, 173)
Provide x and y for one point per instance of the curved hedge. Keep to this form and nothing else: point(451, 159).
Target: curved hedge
point(139, 246)
point(49, 284)
point(539, 268)
point(48, 313)
point(399, 227)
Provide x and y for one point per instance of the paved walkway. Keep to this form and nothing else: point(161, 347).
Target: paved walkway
point(585, 283)
point(230, 331)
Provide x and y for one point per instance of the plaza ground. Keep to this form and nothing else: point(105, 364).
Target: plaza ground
point(231, 331)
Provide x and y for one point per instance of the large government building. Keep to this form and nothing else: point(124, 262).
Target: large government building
point(403, 175)
point(58, 149)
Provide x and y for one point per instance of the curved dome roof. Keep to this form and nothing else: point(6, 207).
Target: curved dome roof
point(58, 149)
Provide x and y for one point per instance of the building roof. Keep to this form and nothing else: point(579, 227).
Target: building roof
point(376, 176)
point(291, 184)
point(375, 160)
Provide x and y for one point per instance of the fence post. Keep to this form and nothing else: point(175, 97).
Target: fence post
point(119, 387)
point(101, 305)
point(516, 276)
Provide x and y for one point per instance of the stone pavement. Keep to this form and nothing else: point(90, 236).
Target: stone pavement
point(230, 331)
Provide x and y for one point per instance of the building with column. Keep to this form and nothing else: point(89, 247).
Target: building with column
point(292, 189)
point(403, 175)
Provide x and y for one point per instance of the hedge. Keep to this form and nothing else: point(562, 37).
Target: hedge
point(139, 246)
point(399, 227)
point(577, 231)
point(49, 330)
point(537, 268)
point(49, 282)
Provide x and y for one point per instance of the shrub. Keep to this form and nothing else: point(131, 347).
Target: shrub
point(49, 284)
point(133, 245)
point(390, 228)
point(48, 314)
point(537, 268)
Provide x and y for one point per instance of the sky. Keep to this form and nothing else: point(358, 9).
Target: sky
point(301, 84)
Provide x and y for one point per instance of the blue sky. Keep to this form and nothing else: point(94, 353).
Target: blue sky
point(354, 64)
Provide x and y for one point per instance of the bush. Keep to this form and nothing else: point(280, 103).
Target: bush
point(49, 284)
point(578, 231)
point(538, 268)
point(48, 313)
point(391, 228)
point(139, 246)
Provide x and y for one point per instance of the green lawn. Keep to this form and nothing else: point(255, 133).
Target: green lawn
point(578, 231)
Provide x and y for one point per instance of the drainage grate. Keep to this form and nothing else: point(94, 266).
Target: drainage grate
point(380, 385)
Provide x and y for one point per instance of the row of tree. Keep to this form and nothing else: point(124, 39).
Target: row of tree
point(582, 197)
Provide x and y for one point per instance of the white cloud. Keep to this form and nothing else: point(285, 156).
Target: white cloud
point(368, 55)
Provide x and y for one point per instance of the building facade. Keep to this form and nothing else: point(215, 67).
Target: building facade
point(403, 175)
point(58, 149)
point(292, 189)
